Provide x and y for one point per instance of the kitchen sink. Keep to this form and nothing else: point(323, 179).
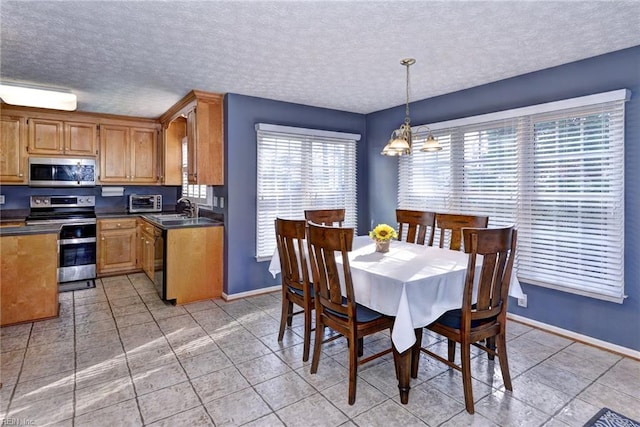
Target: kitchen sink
point(168, 217)
point(182, 220)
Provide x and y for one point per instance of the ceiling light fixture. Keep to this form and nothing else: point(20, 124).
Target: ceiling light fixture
point(38, 97)
point(402, 138)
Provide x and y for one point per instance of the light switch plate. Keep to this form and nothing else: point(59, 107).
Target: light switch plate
point(215, 201)
point(1, 199)
point(221, 202)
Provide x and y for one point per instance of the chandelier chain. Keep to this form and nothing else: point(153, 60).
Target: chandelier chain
point(407, 119)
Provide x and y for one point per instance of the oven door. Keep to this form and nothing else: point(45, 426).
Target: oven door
point(77, 252)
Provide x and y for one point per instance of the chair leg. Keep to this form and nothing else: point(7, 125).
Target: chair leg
point(504, 362)
point(284, 316)
point(491, 344)
point(317, 346)
point(465, 354)
point(360, 347)
point(451, 350)
point(290, 314)
point(415, 353)
point(307, 334)
point(354, 347)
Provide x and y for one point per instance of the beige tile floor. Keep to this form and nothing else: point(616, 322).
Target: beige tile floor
point(118, 356)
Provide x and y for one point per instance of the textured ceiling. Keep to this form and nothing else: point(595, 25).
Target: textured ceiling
point(138, 58)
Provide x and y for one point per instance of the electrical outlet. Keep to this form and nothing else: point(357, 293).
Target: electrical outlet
point(522, 302)
point(221, 202)
point(1, 199)
point(215, 201)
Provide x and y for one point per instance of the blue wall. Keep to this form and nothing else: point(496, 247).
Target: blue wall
point(243, 272)
point(611, 322)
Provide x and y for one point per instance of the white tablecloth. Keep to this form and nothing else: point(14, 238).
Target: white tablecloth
point(414, 283)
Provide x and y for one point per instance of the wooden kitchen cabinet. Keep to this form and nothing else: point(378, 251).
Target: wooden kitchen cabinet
point(128, 154)
point(151, 249)
point(194, 263)
point(13, 156)
point(117, 246)
point(198, 117)
point(28, 293)
point(57, 137)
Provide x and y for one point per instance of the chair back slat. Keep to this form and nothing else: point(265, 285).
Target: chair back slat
point(325, 243)
point(451, 225)
point(328, 217)
point(418, 225)
point(497, 247)
point(290, 235)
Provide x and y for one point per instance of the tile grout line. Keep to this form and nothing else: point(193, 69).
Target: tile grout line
point(24, 356)
point(75, 358)
point(182, 367)
point(126, 356)
point(588, 385)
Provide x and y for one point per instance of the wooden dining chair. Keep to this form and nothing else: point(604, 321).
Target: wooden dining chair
point(452, 224)
point(418, 225)
point(328, 217)
point(296, 286)
point(483, 319)
point(340, 313)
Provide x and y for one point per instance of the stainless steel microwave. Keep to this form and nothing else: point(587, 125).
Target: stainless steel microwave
point(62, 172)
point(145, 203)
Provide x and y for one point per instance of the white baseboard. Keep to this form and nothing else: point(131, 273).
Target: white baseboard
point(576, 336)
point(251, 293)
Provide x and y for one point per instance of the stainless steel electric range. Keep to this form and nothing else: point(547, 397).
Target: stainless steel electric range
point(77, 239)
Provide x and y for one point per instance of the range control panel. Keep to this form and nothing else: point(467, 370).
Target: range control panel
point(62, 201)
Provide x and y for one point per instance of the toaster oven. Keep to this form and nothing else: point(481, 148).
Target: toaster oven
point(145, 203)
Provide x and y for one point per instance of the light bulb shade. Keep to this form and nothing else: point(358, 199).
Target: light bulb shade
point(431, 144)
point(399, 144)
point(39, 98)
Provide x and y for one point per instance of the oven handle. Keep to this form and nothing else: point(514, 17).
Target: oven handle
point(77, 241)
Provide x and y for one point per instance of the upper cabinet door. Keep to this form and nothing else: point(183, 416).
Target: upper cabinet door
point(128, 155)
point(199, 118)
point(12, 149)
point(80, 138)
point(45, 136)
point(209, 141)
point(57, 137)
point(114, 154)
point(144, 155)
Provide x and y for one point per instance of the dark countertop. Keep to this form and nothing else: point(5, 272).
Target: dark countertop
point(30, 229)
point(206, 219)
point(173, 223)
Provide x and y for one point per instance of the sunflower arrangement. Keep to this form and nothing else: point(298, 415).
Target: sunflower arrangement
point(383, 233)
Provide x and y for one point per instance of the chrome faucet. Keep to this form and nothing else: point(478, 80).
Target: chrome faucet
point(192, 207)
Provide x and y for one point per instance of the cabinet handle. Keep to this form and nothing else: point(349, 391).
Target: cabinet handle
point(20, 174)
point(102, 238)
point(118, 225)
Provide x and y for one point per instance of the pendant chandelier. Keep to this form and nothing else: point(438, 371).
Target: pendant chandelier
point(402, 138)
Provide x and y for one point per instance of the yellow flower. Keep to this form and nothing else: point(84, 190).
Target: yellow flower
point(383, 232)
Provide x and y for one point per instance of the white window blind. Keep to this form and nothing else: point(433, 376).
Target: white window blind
point(302, 169)
point(558, 175)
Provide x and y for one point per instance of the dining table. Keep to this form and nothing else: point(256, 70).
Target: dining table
point(414, 283)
